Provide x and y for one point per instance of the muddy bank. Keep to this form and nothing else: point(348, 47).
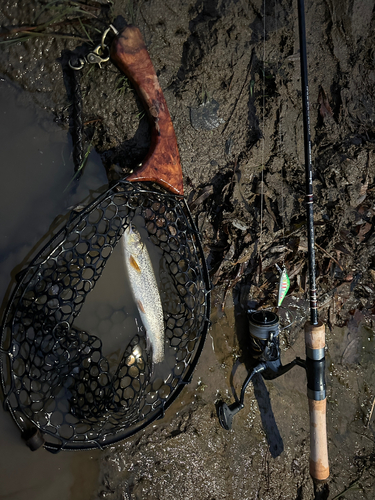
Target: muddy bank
point(236, 107)
point(266, 454)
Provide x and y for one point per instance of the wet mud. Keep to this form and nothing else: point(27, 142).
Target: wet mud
point(230, 72)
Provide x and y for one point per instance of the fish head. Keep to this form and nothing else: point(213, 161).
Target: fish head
point(133, 240)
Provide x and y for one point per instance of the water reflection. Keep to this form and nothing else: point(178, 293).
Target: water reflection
point(36, 168)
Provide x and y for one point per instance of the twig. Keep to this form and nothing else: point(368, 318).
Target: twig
point(329, 255)
point(371, 412)
point(94, 120)
point(232, 283)
point(52, 23)
point(79, 170)
point(22, 29)
point(239, 95)
point(28, 35)
point(353, 485)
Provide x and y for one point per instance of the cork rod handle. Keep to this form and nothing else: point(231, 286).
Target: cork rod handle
point(319, 468)
point(162, 163)
point(316, 392)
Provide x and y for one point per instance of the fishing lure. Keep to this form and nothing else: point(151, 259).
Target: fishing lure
point(284, 285)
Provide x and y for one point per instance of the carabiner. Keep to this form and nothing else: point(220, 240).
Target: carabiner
point(97, 56)
point(111, 27)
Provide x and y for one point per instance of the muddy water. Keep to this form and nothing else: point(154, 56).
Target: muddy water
point(36, 169)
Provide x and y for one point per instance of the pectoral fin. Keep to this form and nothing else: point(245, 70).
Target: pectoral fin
point(140, 306)
point(134, 264)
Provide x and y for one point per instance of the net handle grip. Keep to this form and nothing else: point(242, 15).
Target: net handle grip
point(315, 346)
point(162, 163)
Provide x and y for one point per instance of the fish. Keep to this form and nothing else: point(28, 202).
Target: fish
point(144, 289)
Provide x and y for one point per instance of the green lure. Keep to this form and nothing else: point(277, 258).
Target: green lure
point(284, 285)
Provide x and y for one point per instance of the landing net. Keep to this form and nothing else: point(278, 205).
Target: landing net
point(55, 377)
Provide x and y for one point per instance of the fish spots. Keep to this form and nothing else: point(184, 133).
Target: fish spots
point(134, 264)
point(140, 306)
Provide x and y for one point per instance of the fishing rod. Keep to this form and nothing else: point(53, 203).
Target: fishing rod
point(315, 329)
point(264, 325)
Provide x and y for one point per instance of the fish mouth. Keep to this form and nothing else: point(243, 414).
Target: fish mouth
point(130, 229)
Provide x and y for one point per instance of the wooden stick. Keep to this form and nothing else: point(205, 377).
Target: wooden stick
point(162, 163)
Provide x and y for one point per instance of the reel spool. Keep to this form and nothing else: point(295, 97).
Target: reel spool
point(264, 329)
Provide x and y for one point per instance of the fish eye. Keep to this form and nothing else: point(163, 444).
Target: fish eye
point(133, 231)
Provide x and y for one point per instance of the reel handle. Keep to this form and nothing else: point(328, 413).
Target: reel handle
point(162, 163)
point(315, 368)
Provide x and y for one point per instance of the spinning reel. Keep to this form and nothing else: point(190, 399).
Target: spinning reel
point(264, 329)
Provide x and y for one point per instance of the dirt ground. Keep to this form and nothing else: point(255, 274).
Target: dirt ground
point(234, 93)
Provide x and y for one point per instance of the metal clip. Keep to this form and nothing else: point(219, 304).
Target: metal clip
point(97, 56)
point(81, 63)
point(101, 53)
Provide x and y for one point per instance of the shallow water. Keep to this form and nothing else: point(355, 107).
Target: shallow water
point(36, 169)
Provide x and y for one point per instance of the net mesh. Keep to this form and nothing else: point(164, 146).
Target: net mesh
point(55, 376)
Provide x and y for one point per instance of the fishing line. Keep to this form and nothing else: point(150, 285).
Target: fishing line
point(279, 150)
point(284, 282)
point(264, 325)
point(293, 319)
point(263, 138)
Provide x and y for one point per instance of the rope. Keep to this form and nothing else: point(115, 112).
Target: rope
point(72, 81)
point(77, 124)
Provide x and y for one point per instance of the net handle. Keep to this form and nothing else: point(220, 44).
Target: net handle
point(162, 163)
